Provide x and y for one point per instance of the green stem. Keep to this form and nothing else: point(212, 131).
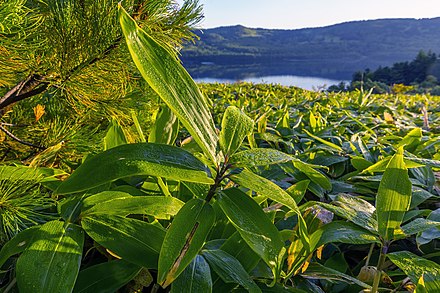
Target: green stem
point(367, 262)
point(10, 286)
point(382, 257)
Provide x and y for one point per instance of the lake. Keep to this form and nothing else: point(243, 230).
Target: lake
point(305, 82)
point(307, 75)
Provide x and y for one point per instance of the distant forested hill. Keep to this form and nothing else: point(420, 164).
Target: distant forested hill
point(352, 45)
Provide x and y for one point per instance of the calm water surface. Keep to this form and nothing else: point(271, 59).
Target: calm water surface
point(305, 82)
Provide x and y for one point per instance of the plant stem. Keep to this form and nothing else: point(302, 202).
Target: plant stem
point(218, 179)
point(10, 286)
point(380, 263)
point(367, 262)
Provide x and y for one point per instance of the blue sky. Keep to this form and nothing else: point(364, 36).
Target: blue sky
point(291, 14)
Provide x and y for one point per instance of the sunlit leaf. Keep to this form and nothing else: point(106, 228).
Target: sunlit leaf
point(235, 127)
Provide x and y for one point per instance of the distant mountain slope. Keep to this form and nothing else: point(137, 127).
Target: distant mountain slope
point(352, 45)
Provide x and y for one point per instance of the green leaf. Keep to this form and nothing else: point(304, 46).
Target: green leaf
point(238, 248)
point(105, 277)
point(184, 239)
point(432, 233)
point(265, 187)
point(419, 225)
point(167, 77)
point(312, 174)
point(344, 232)
point(133, 160)
point(298, 190)
point(393, 197)
point(229, 269)
point(195, 278)
point(320, 272)
point(166, 127)
point(235, 127)
point(415, 267)
point(18, 243)
point(51, 262)
point(115, 136)
point(327, 143)
point(354, 209)
point(124, 204)
point(133, 240)
point(412, 138)
point(254, 227)
point(259, 157)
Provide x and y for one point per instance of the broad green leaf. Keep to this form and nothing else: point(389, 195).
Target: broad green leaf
point(239, 249)
point(298, 190)
point(344, 232)
point(320, 272)
point(196, 278)
point(235, 127)
point(115, 136)
point(427, 162)
point(432, 233)
point(105, 277)
point(327, 143)
point(133, 240)
point(312, 174)
point(393, 197)
point(124, 204)
point(412, 138)
point(427, 284)
point(259, 157)
point(51, 262)
point(254, 227)
point(184, 239)
point(18, 243)
point(265, 187)
point(167, 77)
point(133, 160)
point(415, 267)
point(229, 269)
point(354, 209)
point(166, 127)
point(29, 173)
point(419, 225)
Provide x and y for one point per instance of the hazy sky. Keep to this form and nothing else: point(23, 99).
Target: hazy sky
point(290, 14)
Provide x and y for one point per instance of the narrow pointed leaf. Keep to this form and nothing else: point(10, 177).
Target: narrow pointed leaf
point(254, 227)
point(184, 239)
point(17, 244)
point(133, 240)
point(416, 267)
point(419, 225)
point(136, 159)
point(229, 269)
point(166, 127)
point(354, 209)
point(320, 272)
point(344, 232)
point(235, 127)
point(115, 136)
point(260, 157)
point(393, 197)
point(167, 77)
point(196, 278)
point(239, 249)
point(124, 204)
point(51, 262)
point(105, 277)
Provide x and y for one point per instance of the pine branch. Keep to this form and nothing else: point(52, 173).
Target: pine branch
point(33, 85)
point(19, 140)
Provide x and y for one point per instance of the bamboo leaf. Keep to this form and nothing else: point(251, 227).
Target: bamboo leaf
point(136, 159)
point(419, 225)
point(105, 277)
point(259, 157)
point(51, 262)
point(344, 232)
point(184, 239)
point(416, 267)
point(167, 77)
point(393, 197)
point(254, 227)
point(124, 204)
point(354, 209)
point(195, 278)
point(229, 269)
point(235, 127)
point(320, 272)
point(115, 136)
point(133, 240)
point(166, 127)
point(18, 243)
